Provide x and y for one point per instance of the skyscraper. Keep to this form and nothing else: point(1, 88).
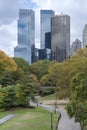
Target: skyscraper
point(60, 37)
point(48, 40)
point(45, 25)
point(84, 37)
point(26, 35)
point(75, 46)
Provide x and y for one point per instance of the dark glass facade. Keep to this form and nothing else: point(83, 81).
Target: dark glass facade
point(60, 37)
point(44, 54)
point(45, 25)
point(48, 40)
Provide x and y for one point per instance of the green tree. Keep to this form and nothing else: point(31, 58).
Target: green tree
point(27, 88)
point(78, 105)
point(7, 97)
point(40, 68)
point(58, 76)
point(6, 63)
point(22, 65)
point(7, 79)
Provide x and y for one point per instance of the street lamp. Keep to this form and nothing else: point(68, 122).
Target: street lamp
point(55, 101)
point(51, 120)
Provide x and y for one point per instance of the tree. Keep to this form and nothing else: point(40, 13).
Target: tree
point(6, 63)
point(40, 68)
point(7, 66)
point(7, 79)
point(78, 105)
point(7, 97)
point(27, 88)
point(22, 65)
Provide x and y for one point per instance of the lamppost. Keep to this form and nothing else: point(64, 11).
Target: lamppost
point(55, 101)
point(51, 120)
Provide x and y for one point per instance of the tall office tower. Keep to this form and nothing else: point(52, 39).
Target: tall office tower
point(84, 37)
point(48, 40)
point(75, 46)
point(26, 35)
point(60, 37)
point(45, 25)
point(44, 54)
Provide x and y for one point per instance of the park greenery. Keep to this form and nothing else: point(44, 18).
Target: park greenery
point(20, 81)
point(30, 119)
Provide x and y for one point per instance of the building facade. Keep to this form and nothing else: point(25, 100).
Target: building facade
point(48, 40)
point(44, 54)
point(75, 46)
point(60, 37)
point(26, 35)
point(45, 25)
point(84, 37)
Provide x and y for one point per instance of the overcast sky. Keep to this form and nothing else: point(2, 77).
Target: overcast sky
point(9, 9)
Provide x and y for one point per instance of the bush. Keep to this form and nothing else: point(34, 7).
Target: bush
point(64, 93)
point(7, 97)
point(48, 91)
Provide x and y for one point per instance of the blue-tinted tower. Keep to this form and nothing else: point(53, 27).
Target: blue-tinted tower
point(26, 35)
point(45, 25)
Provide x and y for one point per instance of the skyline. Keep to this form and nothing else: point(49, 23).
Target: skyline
point(9, 11)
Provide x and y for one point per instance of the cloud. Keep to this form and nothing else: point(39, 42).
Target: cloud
point(9, 10)
point(8, 36)
point(30, 4)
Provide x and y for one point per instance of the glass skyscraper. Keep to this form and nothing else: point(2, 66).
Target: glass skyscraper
point(60, 37)
point(45, 25)
point(26, 34)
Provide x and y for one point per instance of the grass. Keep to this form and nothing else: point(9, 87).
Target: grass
point(29, 119)
point(3, 114)
point(49, 97)
point(85, 128)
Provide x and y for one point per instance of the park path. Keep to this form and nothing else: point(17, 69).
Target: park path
point(65, 123)
point(6, 118)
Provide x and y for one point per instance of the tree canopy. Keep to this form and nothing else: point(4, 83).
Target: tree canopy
point(40, 68)
point(6, 63)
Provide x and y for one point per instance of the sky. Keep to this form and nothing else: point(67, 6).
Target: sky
point(9, 11)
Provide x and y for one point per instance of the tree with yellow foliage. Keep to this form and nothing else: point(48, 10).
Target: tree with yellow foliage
point(6, 63)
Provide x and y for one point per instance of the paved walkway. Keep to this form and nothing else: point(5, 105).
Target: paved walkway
point(6, 118)
point(66, 123)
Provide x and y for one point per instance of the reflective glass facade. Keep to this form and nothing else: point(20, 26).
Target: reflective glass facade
point(48, 40)
point(45, 25)
point(60, 37)
point(26, 34)
point(44, 54)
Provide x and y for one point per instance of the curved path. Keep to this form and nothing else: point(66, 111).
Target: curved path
point(66, 123)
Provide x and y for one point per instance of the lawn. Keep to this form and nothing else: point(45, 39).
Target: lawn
point(2, 114)
point(85, 128)
point(49, 97)
point(29, 119)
